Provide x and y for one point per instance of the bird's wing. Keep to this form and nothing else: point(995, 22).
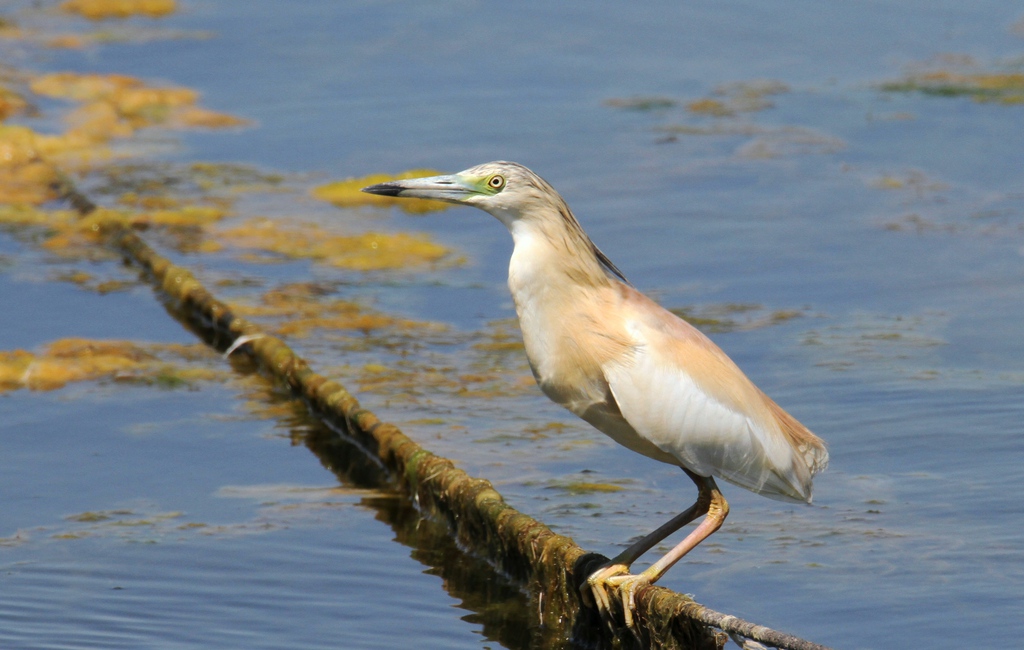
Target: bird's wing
point(678, 390)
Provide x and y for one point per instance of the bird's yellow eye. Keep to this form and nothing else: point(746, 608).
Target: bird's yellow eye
point(496, 182)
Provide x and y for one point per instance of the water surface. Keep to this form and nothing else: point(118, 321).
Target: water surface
point(887, 226)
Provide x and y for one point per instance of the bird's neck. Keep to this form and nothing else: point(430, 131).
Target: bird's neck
point(551, 258)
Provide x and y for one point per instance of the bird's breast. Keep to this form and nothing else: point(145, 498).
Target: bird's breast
point(569, 334)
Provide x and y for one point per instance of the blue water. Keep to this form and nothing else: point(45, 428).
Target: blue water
point(906, 355)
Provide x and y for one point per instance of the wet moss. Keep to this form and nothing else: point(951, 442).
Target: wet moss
point(346, 194)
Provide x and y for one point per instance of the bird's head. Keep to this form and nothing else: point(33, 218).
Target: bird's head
point(518, 198)
point(507, 190)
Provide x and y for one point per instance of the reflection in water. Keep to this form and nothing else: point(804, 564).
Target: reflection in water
point(496, 604)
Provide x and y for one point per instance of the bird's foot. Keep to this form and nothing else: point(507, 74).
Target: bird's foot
point(617, 577)
point(627, 586)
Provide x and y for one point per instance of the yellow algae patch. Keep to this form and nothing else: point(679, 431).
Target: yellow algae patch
point(87, 281)
point(1003, 88)
point(586, 487)
point(84, 233)
point(304, 308)
point(24, 215)
point(346, 194)
point(11, 103)
point(726, 100)
point(115, 105)
point(73, 360)
point(750, 96)
point(709, 106)
point(913, 180)
point(408, 382)
point(189, 215)
point(889, 183)
point(101, 9)
point(202, 118)
point(66, 42)
point(26, 154)
point(81, 87)
point(24, 176)
point(72, 236)
point(370, 251)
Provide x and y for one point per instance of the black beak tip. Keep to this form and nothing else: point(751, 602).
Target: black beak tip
point(383, 189)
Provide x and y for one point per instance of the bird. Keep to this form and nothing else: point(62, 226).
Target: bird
point(631, 368)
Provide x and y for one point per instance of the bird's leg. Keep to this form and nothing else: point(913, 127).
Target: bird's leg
point(710, 501)
point(595, 591)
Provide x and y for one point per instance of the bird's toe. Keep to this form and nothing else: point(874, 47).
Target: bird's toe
point(615, 578)
point(627, 586)
point(595, 593)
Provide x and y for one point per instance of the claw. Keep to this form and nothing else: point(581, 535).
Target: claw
point(627, 586)
point(616, 576)
point(597, 593)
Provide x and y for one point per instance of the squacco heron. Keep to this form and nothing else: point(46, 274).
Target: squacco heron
point(629, 367)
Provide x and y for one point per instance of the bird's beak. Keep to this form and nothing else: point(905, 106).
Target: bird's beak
point(452, 188)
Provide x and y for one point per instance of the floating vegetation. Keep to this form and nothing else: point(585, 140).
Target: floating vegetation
point(961, 76)
point(275, 493)
point(115, 105)
point(740, 97)
point(915, 223)
point(641, 103)
point(47, 26)
point(72, 237)
point(726, 100)
point(369, 251)
point(87, 281)
point(914, 181)
point(503, 337)
point(576, 487)
point(71, 360)
point(791, 141)
point(734, 317)
point(24, 177)
point(11, 103)
point(899, 342)
point(301, 308)
point(110, 107)
point(728, 107)
point(103, 9)
point(163, 185)
point(346, 194)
